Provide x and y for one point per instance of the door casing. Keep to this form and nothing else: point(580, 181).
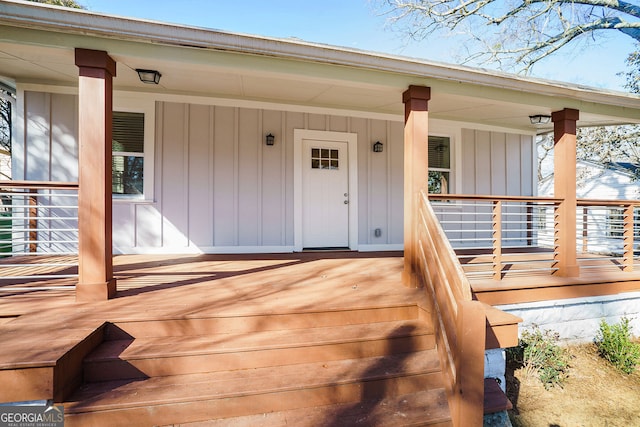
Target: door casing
point(351, 140)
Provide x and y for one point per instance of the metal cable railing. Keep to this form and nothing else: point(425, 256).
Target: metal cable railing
point(38, 234)
point(493, 235)
point(608, 234)
point(498, 235)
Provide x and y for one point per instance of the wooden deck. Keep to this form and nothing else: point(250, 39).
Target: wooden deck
point(322, 335)
point(276, 281)
point(528, 276)
point(188, 285)
point(175, 318)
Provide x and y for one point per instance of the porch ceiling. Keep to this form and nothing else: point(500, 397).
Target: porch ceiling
point(43, 57)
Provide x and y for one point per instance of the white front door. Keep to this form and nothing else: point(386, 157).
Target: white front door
point(325, 193)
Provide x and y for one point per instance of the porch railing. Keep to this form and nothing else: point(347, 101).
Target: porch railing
point(38, 234)
point(459, 321)
point(495, 236)
point(608, 234)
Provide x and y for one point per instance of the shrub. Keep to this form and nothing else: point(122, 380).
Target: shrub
point(615, 345)
point(542, 356)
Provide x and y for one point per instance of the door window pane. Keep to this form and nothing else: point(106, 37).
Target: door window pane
point(324, 158)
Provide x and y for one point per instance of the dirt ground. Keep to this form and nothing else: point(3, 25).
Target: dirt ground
point(595, 394)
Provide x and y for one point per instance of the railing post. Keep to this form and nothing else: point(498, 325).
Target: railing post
point(496, 220)
point(530, 224)
point(564, 157)
point(33, 221)
point(416, 172)
point(471, 325)
point(627, 257)
point(585, 230)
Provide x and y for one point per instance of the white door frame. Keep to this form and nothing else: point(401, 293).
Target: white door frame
point(299, 135)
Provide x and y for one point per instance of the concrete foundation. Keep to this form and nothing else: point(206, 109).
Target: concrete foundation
point(578, 319)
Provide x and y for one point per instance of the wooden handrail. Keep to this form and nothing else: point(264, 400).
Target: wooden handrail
point(549, 200)
point(40, 185)
point(607, 202)
point(539, 199)
point(459, 321)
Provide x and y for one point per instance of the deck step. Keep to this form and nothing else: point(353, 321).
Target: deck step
point(182, 326)
point(425, 408)
point(162, 356)
point(206, 396)
point(377, 364)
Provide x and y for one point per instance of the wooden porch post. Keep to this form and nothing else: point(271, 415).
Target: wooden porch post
point(565, 127)
point(416, 173)
point(95, 93)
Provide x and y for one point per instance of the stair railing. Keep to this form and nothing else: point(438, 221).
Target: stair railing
point(459, 321)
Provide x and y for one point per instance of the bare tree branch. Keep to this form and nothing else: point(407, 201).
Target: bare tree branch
point(521, 32)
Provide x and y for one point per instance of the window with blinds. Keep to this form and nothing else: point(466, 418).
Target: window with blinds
point(128, 153)
point(439, 164)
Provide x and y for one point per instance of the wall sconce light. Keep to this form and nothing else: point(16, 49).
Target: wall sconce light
point(148, 76)
point(270, 139)
point(378, 147)
point(539, 119)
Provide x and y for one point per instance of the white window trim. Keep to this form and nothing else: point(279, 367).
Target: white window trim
point(130, 103)
point(454, 161)
point(453, 131)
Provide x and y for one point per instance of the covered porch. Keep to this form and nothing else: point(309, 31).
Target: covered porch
point(410, 325)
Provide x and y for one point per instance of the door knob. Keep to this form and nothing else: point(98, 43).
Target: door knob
point(346, 202)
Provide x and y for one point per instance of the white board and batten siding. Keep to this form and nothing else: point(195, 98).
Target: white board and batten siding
point(491, 163)
point(218, 188)
point(498, 163)
point(45, 144)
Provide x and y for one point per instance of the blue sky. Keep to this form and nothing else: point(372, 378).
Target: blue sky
point(356, 24)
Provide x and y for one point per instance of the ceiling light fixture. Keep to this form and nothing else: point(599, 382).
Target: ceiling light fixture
point(148, 76)
point(539, 119)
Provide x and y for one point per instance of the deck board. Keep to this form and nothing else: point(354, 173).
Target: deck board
point(241, 284)
point(189, 287)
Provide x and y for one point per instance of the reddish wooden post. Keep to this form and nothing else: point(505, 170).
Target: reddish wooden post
point(564, 168)
point(471, 332)
point(627, 256)
point(95, 99)
point(497, 240)
point(416, 171)
point(585, 230)
point(33, 221)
